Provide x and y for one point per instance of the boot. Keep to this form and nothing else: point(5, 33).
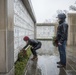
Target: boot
point(34, 58)
point(59, 62)
point(61, 66)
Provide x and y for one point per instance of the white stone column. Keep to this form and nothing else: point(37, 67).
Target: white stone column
point(6, 38)
point(72, 29)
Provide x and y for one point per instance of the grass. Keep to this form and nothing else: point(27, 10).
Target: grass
point(21, 63)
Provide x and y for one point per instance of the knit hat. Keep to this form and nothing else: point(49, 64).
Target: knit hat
point(26, 38)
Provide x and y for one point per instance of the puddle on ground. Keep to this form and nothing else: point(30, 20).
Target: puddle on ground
point(47, 65)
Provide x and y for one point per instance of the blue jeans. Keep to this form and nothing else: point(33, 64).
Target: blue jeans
point(62, 52)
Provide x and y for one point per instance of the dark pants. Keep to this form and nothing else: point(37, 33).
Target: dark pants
point(62, 52)
point(33, 50)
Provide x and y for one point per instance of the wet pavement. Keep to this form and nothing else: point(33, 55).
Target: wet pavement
point(46, 64)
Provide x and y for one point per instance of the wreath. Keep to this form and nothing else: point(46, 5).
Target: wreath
point(55, 41)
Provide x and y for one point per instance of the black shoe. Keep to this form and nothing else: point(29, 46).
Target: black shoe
point(61, 66)
point(58, 62)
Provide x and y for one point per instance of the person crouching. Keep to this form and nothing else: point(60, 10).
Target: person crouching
point(35, 45)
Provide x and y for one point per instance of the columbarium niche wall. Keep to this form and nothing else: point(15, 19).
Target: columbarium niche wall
point(23, 25)
point(45, 33)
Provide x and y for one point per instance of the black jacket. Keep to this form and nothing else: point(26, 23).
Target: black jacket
point(33, 43)
point(62, 31)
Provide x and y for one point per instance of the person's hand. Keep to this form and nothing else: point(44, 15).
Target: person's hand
point(59, 43)
point(23, 49)
point(32, 47)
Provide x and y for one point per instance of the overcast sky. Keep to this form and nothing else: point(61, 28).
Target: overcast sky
point(46, 9)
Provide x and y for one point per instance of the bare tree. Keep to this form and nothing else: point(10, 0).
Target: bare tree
point(62, 11)
point(73, 7)
point(59, 11)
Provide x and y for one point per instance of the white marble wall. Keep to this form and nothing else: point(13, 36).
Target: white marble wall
point(23, 25)
point(45, 32)
point(47, 47)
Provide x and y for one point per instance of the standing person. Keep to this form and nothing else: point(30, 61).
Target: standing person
point(62, 34)
point(35, 45)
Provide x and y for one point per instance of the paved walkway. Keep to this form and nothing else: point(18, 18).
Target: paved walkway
point(46, 64)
